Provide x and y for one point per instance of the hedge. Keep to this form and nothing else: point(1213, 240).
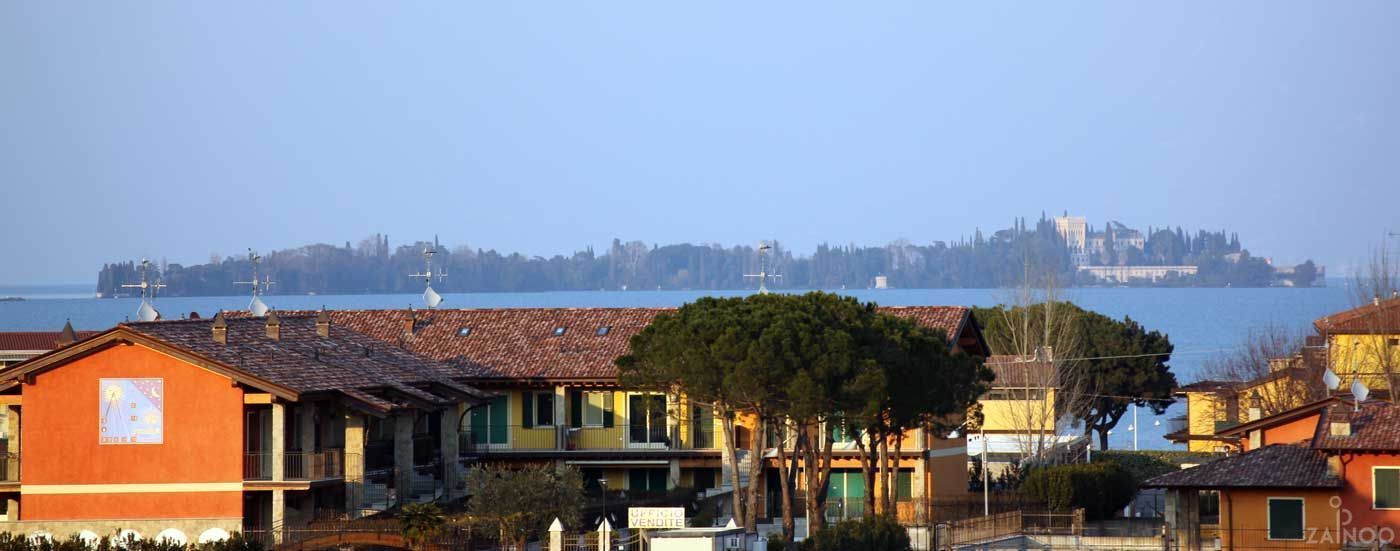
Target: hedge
point(876, 533)
point(1101, 488)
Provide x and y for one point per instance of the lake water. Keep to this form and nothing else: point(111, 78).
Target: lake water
point(1200, 322)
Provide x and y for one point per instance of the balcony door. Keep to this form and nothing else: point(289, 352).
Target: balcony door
point(646, 420)
point(490, 423)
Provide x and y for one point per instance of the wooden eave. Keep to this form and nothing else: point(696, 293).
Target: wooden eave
point(24, 372)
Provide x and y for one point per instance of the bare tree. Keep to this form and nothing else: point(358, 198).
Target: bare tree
point(1371, 355)
point(1272, 361)
point(1037, 339)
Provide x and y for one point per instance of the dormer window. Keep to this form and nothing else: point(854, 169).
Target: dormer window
point(559, 331)
point(604, 330)
point(464, 331)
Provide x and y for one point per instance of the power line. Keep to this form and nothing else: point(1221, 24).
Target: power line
point(1120, 357)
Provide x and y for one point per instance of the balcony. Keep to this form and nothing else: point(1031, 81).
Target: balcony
point(297, 466)
point(516, 438)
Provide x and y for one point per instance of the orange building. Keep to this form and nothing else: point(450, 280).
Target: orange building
point(194, 429)
point(1321, 476)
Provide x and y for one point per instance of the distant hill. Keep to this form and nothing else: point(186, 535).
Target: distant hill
point(979, 261)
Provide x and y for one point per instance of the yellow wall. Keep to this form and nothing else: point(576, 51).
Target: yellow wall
point(1016, 415)
point(1368, 356)
point(1203, 411)
point(594, 437)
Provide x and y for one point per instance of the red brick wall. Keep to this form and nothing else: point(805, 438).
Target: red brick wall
point(202, 441)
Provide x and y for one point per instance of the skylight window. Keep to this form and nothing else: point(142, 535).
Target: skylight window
point(604, 330)
point(464, 331)
point(559, 331)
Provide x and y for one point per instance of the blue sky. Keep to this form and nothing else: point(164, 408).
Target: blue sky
point(182, 129)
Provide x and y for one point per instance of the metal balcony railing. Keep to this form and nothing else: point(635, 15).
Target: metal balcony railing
point(312, 466)
point(323, 465)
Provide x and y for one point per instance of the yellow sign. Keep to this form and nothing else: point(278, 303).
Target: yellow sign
point(656, 517)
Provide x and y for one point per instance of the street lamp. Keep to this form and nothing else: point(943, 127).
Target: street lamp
point(603, 483)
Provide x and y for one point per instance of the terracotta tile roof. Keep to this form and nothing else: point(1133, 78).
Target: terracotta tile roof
point(1275, 466)
point(1012, 372)
point(521, 344)
point(1382, 317)
point(35, 340)
point(1376, 428)
point(347, 362)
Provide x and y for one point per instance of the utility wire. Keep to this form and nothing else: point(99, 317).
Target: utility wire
point(1124, 356)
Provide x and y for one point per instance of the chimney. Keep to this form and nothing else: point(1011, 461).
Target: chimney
point(411, 321)
point(220, 328)
point(323, 323)
point(274, 326)
point(1256, 410)
point(1338, 421)
point(68, 336)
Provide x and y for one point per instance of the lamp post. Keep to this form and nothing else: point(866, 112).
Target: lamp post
point(986, 460)
point(603, 483)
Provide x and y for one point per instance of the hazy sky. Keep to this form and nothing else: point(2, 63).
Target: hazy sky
point(181, 129)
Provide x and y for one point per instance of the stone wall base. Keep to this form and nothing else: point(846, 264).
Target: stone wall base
point(191, 529)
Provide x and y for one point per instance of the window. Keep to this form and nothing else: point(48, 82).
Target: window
point(1285, 518)
point(594, 404)
point(646, 480)
point(544, 409)
point(1386, 487)
point(559, 331)
point(1393, 342)
point(904, 486)
point(464, 331)
point(604, 330)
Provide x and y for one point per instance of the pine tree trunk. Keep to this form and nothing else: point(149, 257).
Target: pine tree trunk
point(730, 435)
point(755, 488)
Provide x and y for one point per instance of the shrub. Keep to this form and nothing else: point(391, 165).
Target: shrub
point(20, 542)
point(1101, 488)
point(877, 533)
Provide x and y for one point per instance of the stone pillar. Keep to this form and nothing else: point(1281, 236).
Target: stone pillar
point(918, 485)
point(403, 455)
point(452, 466)
point(561, 417)
point(279, 514)
point(556, 535)
point(605, 533)
point(354, 463)
point(13, 461)
point(279, 445)
point(673, 475)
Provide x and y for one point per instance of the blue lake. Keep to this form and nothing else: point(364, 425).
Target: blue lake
point(1200, 322)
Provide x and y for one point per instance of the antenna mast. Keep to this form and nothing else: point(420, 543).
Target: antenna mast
point(763, 275)
point(147, 311)
point(257, 307)
point(430, 297)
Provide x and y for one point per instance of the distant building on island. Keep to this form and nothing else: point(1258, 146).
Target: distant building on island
point(1124, 274)
point(882, 282)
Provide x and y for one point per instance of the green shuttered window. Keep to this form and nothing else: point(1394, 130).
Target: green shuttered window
point(1285, 518)
point(1387, 487)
